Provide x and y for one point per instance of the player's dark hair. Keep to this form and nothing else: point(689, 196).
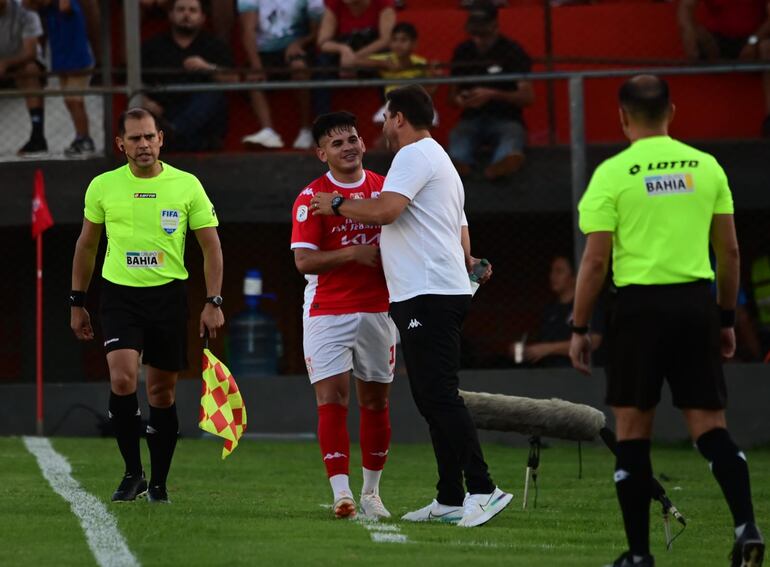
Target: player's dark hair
point(325, 124)
point(136, 113)
point(414, 103)
point(646, 98)
point(405, 28)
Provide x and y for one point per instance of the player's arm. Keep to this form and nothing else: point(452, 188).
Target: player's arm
point(685, 14)
point(326, 32)
point(28, 52)
point(470, 261)
point(249, 22)
point(725, 245)
point(384, 210)
point(590, 280)
point(309, 261)
point(523, 96)
point(211, 317)
point(83, 263)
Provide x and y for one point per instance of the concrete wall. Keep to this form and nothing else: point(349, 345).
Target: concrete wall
point(285, 405)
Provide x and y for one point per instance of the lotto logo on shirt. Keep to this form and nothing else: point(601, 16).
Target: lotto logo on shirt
point(145, 259)
point(668, 184)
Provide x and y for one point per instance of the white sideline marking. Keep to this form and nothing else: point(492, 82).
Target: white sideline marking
point(101, 529)
point(380, 537)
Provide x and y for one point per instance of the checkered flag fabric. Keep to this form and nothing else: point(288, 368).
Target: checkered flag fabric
point(222, 410)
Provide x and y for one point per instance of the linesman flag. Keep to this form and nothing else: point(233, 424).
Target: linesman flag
point(222, 410)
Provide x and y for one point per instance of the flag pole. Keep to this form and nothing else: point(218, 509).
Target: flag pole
point(39, 335)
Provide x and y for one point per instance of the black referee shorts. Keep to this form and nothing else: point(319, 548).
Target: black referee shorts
point(150, 320)
point(670, 332)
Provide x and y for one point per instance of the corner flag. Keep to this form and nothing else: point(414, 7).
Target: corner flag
point(41, 216)
point(222, 410)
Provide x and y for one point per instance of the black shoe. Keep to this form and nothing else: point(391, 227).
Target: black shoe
point(131, 487)
point(158, 494)
point(627, 560)
point(749, 549)
point(35, 147)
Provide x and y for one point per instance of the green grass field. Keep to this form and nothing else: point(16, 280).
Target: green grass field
point(268, 505)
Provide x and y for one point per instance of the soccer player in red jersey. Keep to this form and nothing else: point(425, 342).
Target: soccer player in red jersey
point(346, 324)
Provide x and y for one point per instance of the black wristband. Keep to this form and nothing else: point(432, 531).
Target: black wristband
point(77, 298)
point(727, 318)
point(579, 330)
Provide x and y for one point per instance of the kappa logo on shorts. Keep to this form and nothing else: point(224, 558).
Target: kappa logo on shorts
point(145, 259)
point(169, 220)
point(413, 324)
point(668, 184)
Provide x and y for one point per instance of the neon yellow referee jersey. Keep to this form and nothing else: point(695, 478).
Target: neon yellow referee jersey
point(657, 197)
point(146, 223)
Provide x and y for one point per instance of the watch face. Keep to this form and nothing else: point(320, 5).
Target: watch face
point(216, 300)
point(337, 201)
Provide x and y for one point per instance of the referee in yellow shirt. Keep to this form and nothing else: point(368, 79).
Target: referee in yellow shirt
point(147, 207)
point(655, 207)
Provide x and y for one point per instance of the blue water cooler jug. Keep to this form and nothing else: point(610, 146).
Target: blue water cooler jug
point(254, 343)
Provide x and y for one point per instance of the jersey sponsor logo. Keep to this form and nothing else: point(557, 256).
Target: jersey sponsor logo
point(357, 196)
point(308, 191)
point(360, 239)
point(169, 220)
point(673, 164)
point(634, 169)
point(668, 184)
point(144, 195)
point(302, 213)
point(145, 259)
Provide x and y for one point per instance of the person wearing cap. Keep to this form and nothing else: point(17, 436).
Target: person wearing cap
point(655, 207)
point(491, 112)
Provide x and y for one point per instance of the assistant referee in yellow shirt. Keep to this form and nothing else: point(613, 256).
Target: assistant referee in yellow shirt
point(147, 207)
point(655, 207)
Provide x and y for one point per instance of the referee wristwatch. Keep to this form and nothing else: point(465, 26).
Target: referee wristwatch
point(215, 300)
point(337, 201)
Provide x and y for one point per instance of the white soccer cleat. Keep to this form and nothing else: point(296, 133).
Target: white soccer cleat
point(478, 509)
point(304, 140)
point(345, 506)
point(266, 137)
point(435, 512)
point(372, 507)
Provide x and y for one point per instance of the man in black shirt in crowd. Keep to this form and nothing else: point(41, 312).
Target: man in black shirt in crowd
point(553, 337)
point(191, 121)
point(492, 111)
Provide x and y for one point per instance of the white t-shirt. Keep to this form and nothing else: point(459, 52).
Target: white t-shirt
point(421, 250)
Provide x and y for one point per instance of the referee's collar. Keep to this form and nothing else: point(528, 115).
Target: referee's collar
point(652, 139)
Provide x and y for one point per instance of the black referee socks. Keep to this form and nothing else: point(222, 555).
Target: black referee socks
point(633, 476)
point(162, 433)
point(729, 467)
point(126, 421)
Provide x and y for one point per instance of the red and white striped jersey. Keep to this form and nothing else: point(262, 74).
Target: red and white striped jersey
point(351, 287)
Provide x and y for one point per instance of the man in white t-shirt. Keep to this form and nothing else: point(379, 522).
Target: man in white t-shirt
point(426, 255)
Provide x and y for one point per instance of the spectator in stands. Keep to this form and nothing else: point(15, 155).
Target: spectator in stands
point(552, 347)
point(351, 30)
point(492, 112)
point(760, 283)
point(401, 62)
point(21, 66)
point(72, 60)
point(736, 29)
point(187, 54)
point(280, 35)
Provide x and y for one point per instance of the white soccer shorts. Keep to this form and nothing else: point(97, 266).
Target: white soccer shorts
point(362, 342)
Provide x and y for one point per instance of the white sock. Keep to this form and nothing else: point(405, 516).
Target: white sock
point(637, 558)
point(371, 481)
point(340, 484)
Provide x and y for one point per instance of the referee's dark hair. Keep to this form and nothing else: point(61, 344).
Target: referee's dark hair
point(325, 124)
point(136, 113)
point(414, 103)
point(645, 98)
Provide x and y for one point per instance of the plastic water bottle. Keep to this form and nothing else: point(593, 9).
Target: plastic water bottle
point(478, 272)
point(255, 344)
